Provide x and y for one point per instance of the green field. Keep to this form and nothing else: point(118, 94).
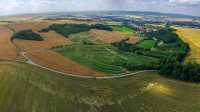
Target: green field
point(100, 56)
point(123, 29)
point(147, 44)
point(24, 88)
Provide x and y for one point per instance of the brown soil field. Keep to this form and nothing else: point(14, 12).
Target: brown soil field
point(108, 36)
point(38, 25)
point(133, 40)
point(35, 26)
point(7, 49)
point(183, 19)
point(71, 21)
point(58, 62)
point(51, 39)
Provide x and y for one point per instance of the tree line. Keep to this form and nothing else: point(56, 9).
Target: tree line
point(27, 35)
point(170, 67)
point(67, 29)
point(170, 62)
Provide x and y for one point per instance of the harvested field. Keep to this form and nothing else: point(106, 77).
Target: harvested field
point(55, 61)
point(72, 21)
point(38, 25)
point(133, 40)
point(183, 19)
point(35, 26)
point(107, 36)
point(192, 37)
point(51, 39)
point(7, 49)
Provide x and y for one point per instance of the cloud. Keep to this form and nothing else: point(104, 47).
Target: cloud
point(185, 1)
point(33, 6)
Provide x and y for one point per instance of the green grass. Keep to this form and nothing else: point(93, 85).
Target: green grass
point(100, 56)
point(24, 88)
point(147, 44)
point(96, 57)
point(123, 29)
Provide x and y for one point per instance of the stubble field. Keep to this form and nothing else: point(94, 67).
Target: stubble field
point(192, 37)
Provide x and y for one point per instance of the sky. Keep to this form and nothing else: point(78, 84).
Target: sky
point(190, 7)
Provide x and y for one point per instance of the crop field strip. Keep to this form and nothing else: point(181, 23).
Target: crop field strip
point(109, 37)
point(8, 50)
point(191, 36)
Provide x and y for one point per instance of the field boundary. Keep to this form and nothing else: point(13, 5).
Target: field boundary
point(78, 76)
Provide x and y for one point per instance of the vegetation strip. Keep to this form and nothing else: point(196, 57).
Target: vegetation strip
point(74, 75)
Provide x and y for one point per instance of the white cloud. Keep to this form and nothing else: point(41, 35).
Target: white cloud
point(186, 1)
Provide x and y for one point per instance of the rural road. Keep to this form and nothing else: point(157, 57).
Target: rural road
point(29, 61)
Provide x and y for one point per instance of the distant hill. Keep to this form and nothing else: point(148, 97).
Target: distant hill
point(95, 13)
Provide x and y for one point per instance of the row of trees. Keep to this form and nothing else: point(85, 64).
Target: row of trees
point(67, 29)
point(170, 67)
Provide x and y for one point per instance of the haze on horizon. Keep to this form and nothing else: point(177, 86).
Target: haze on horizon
point(189, 7)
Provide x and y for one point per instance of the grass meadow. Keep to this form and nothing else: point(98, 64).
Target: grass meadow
point(100, 56)
point(24, 88)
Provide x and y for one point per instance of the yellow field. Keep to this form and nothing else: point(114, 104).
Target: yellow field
point(192, 37)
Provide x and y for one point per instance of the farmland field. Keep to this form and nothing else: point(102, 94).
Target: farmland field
point(123, 29)
point(35, 26)
point(100, 56)
point(89, 55)
point(60, 63)
point(25, 88)
point(8, 50)
point(191, 36)
point(133, 40)
point(108, 36)
point(146, 44)
point(51, 39)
